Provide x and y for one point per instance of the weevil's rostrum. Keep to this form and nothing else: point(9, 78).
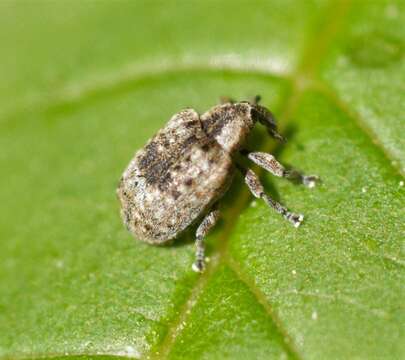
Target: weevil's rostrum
point(182, 172)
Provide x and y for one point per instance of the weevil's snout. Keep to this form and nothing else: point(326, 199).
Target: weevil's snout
point(266, 117)
point(263, 115)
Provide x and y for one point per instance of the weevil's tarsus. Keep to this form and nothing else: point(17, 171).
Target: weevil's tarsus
point(203, 229)
point(269, 163)
point(256, 188)
point(308, 180)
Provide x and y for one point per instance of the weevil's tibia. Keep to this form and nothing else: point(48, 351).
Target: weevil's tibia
point(206, 225)
point(269, 163)
point(256, 188)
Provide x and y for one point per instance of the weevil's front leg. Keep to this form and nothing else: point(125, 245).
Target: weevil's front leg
point(256, 188)
point(206, 225)
point(269, 163)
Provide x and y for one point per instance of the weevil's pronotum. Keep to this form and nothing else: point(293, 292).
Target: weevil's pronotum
point(182, 172)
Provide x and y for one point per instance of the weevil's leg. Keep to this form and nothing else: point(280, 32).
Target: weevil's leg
point(256, 188)
point(226, 100)
point(308, 180)
point(206, 225)
point(269, 163)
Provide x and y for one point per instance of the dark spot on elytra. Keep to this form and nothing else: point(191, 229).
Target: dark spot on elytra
point(154, 164)
point(190, 140)
point(157, 160)
point(150, 155)
point(205, 147)
point(188, 182)
point(175, 194)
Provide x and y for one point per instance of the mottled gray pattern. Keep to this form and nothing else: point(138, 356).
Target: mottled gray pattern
point(173, 180)
point(180, 174)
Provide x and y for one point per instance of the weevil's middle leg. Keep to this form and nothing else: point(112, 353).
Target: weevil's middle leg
point(269, 163)
point(206, 225)
point(256, 188)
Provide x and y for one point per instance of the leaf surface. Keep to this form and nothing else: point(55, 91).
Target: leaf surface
point(84, 85)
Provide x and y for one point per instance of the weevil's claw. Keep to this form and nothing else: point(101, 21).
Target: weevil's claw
point(295, 219)
point(310, 181)
point(198, 266)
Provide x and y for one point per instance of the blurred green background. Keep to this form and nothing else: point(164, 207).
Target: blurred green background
point(83, 84)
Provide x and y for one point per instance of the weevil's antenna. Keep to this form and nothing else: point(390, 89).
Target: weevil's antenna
point(256, 99)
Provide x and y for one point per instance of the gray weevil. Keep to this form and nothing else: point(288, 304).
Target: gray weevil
point(182, 172)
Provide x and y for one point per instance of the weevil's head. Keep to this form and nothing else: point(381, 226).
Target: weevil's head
point(230, 123)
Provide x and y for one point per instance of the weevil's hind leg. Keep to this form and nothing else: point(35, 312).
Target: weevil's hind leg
point(256, 188)
point(203, 229)
point(269, 163)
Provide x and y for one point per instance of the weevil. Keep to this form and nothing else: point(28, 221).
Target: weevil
point(179, 176)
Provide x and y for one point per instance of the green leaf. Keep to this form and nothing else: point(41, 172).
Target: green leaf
point(84, 85)
point(365, 67)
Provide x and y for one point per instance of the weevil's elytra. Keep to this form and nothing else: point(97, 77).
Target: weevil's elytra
point(182, 172)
